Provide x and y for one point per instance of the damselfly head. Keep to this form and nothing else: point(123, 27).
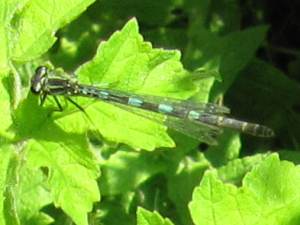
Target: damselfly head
point(39, 79)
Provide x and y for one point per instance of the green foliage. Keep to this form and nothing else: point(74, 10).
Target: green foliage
point(128, 63)
point(268, 196)
point(145, 217)
point(110, 165)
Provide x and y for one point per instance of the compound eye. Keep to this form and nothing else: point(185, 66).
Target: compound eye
point(41, 71)
point(38, 80)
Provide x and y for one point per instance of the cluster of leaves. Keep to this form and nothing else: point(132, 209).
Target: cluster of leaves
point(53, 169)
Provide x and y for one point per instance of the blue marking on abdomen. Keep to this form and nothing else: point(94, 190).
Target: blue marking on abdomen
point(103, 94)
point(135, 102)
point(164, 108)
point(193, 115)
point(83, 91)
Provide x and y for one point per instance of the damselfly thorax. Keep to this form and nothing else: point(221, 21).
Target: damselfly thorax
point(198, 120)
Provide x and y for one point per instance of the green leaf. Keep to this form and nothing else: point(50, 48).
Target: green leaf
point(72, 173)
point(234, 58)
point(39, 219)
point(66, 155)
point(293, 156)
point(29, 117)
point(8, 181)
point(228, 148)
point(127, 63)
point(22, 191)
point(145, 217)
point(121, 126)
point(206, 47)
point(27, 28)
point(235, 170)
point(35, 25)
point(33, 195)
point(113, 210)
point(125, 171)
point(27, 31)
point(269, 196)
point(206, 76)
point(7, 11)
point(5, 118)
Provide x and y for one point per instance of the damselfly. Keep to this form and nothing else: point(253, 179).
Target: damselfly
point(202, 121)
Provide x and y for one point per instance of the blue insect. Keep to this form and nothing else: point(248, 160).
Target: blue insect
point(202, 121)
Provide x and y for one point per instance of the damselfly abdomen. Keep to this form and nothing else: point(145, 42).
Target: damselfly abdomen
point(198, 120)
